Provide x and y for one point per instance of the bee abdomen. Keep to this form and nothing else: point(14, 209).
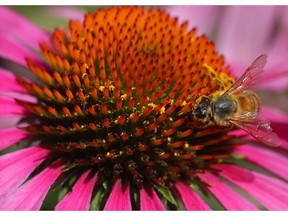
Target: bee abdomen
point(250, 104)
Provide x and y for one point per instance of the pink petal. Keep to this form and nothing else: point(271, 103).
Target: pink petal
point(276, 70)
point(275, 78)
point(8, 82)
point(18, 26)
point(9, 122)
point(79, 198)
point(279, 47)
point(30, 195)
point(230, 199)
point(204, 18)
point(9, 107)
point(15, 167)
point(274, 115)
point(15, 52)
point(281, 130)
point(243, 30)
point(279, 123)
point(119, 198)
point(191, 200)
point(66, 12)
point(149, 200)
point(285, 15)
point(20, 96)
point(11, 136)
point(239, 30)
point(269, 159)
point(269, 191)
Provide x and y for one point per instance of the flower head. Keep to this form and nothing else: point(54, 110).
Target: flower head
point(113, 114)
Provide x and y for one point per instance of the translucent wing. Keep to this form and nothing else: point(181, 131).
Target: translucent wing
point(260, 129)
point(251, 76)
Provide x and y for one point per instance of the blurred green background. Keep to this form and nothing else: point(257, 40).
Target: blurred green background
point(39, 15)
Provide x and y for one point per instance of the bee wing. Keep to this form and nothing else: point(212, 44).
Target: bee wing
point(251, 76)
point(260, 129)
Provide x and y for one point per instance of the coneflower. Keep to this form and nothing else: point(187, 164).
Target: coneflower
point(108, 120)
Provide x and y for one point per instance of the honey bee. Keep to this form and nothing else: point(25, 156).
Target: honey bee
point(238, 106)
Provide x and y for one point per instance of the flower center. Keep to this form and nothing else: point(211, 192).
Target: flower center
point(118, 97)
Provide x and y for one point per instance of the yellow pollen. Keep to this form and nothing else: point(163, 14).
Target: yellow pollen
point(162, 110)
point(186, 145)
point(101, 88)
point(151, 105)
point(176, 154)
point(124, 96)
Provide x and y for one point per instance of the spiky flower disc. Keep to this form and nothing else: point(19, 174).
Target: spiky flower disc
point(118, 93)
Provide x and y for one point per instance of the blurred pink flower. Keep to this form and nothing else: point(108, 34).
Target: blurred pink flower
point(30, 171)
point(242, 33)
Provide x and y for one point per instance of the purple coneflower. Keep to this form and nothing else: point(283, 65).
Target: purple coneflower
point(106, 117)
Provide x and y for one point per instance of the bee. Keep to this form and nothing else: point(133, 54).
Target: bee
point(238, 106)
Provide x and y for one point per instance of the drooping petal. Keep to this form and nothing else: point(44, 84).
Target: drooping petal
point(230, 199)
point(269, 191)
point(14, 24)
point(30, 195)
point(269, 159)
point(14, 52)
point(276, 72)
point(149, 200)
point(11, 136)
point(274, 115)
point(15, 167)
point(9, 107)
point(278, 50)
point(275, 78)
point(8, 82)
point(9, 122)
point(19, 96)
point(191, 200)
point(79, 198)
point(119, 198)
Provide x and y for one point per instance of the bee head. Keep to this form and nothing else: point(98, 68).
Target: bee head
point(201, 110)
